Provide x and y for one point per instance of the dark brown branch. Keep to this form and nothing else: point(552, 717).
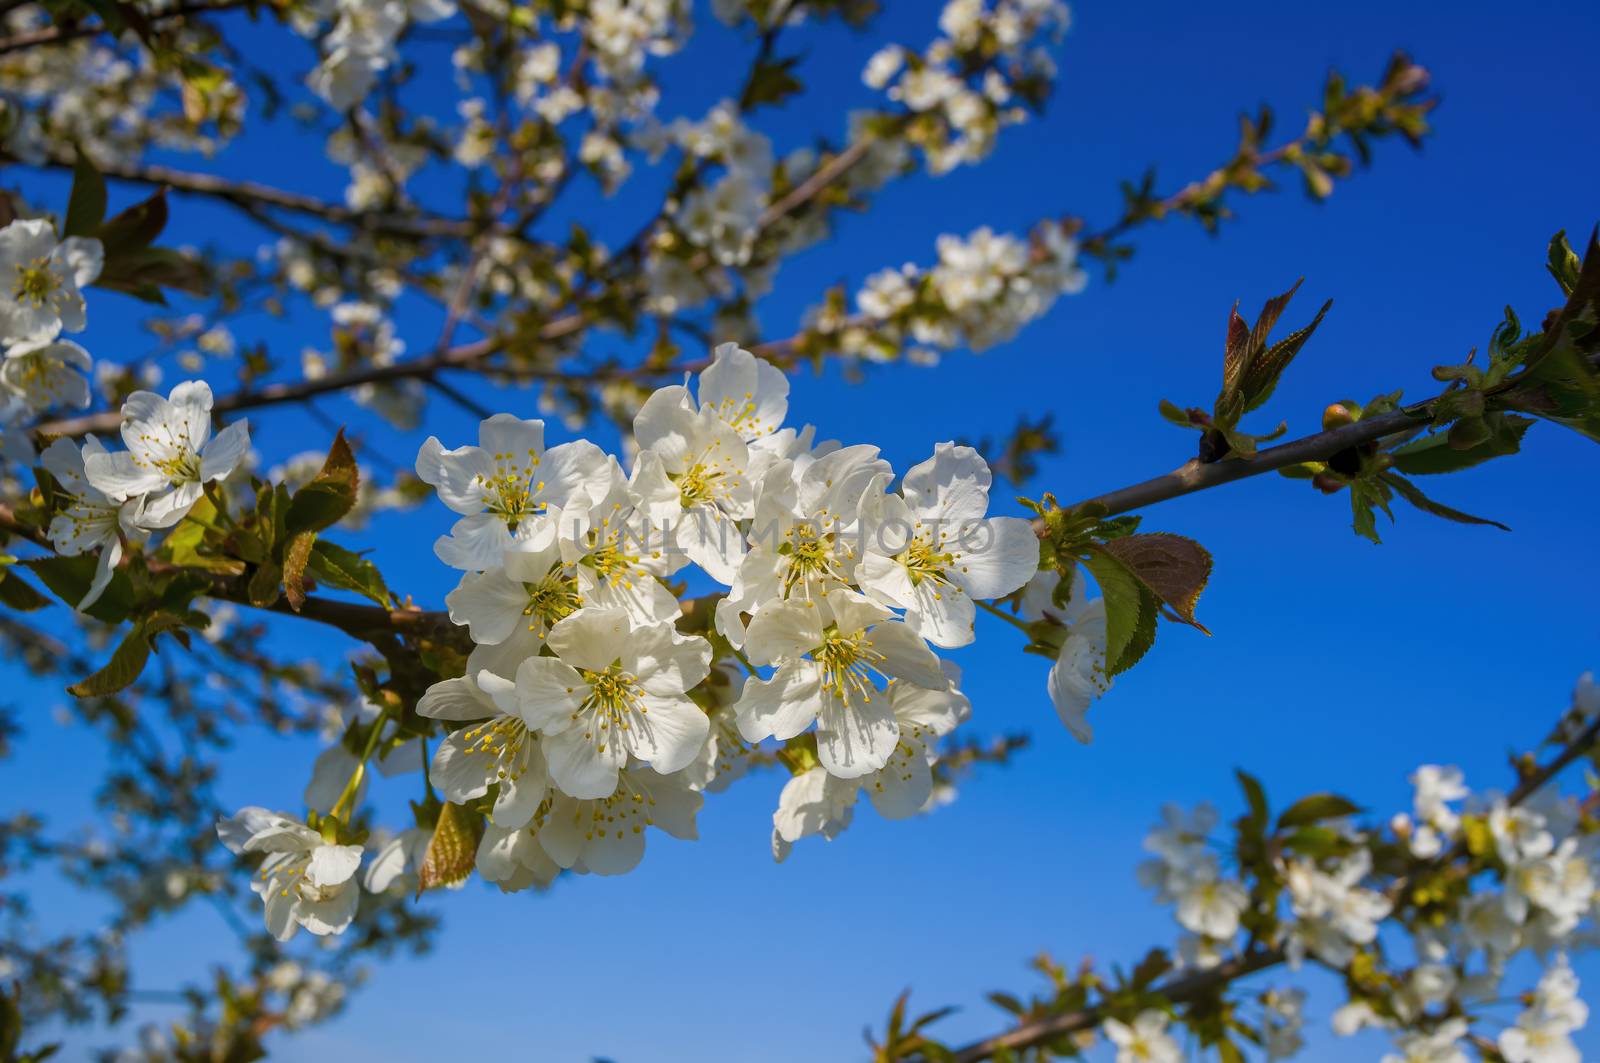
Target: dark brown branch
point(52, 35)
point(244, 194)
point(1197, 476)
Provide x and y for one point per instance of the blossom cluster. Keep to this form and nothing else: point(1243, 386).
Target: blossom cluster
point(958, 113)
point(983, 290)
point(590, 708)
point(41, 296)
point(171, 456)
point(1532, 892)
point(361, 42)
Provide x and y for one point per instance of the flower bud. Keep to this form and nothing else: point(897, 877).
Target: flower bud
point(1337, 415)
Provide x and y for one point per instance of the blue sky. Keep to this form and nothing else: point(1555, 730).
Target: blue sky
point(1334, 664)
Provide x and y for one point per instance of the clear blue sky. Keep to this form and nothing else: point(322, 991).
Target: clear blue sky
point(1334, 664)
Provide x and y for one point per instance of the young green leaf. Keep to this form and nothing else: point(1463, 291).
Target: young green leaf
point(125, 665)
point(1316, 808)
point(335, 566)
point(136, 227)
point(330, 494)
point(1175, 569)
point(86, 203)
point(1432, 454)
point(1408, 491)
point(1131, 610)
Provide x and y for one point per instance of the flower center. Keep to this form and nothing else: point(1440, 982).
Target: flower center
point(848, 664)
point(35, 283)
point(628, 811)
point(812, 554)
point(503, 742)
point(612, 563)
point(288, 873)
point(552, 599)
point(615, 703)
point(510, 491)
point(699, 485)
point(924, 562)
point(180, 464)
point(740, 413)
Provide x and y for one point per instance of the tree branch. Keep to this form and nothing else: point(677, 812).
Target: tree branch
point(60, 34)
point(1189, 987)
point(1195, 475)
point(243, 194)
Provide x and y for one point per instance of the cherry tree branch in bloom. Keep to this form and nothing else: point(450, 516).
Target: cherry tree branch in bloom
point(1188, 987)
point(1403, 84)
point(246, 193)
point(567, 698)
point(61, 34)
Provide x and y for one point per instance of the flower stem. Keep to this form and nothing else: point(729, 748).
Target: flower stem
point(347, 796)
point(1014, 621)
point(218, 504)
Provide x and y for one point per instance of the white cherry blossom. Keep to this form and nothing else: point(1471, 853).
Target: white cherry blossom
point(904, 785)
point(692, 476)
point(1145, 1040)
point(41, 280)
point(831, 658)
point(805, 535)
point(1078, 678)
point(813, 802)
point(606, 836)
point(506, 487)
point(498, 749)
point(533, 588)
point(513, 859)
point(89, 521)
point(304, 880)
point(171, 454)
point(615, 691)
point(934, 551)
point(47, 373)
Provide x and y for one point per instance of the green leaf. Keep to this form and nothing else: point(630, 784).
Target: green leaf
point(1432, 454)
point(1315, 842)
point(1408, 491)
point(18, 593)
point(1262, 377)
point(329, 495)
point(1131, 610)
point(1173, 568)
point(183, 545)
point(86, 204)
point(1562, 262)
point(1366, 497)
point(1256, 798)
point(69, 578)
point(143, 272)
point(1178, 415)
point(1007, 1002)
point(1559, 383)
point(125, 665)
point(1314, 809)
point(1156, 963)
point(771, 82)
point(264, 582)
point(334, 566)
point(135, 228)
point(1235, 353)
